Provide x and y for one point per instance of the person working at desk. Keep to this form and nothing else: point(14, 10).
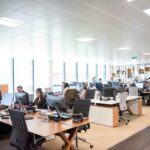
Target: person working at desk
point(83, 93)
point(100, 80)
point(40, 100)
point(66, 87)
point(20, 90)
point(147, 86)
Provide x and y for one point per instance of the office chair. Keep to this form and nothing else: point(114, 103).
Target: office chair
point(90, 94)
point(133, 91)
point(70, 96)
point(82, 106)
point(123, 107)
point(20, 138)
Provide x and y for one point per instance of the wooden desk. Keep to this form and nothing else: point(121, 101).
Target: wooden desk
point(107, 112)
point(40, 127)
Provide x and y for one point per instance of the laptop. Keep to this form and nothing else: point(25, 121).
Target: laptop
point(60, 116)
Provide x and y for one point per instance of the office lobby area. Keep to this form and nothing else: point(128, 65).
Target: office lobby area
point(74, 74)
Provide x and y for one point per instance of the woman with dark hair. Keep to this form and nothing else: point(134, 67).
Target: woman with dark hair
point(66, 87)
point(40, 100)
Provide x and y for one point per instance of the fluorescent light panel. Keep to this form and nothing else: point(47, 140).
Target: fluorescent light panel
point(9, 22)
point(86, 39)
point(125, 48)
point(147, 11)
point(129, 0)
point(146, 53)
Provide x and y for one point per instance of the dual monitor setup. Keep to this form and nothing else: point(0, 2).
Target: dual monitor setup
point(19, 98)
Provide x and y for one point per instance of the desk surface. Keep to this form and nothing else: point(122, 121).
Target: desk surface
point(113, 102)
point(146, 92)
point(41, 127)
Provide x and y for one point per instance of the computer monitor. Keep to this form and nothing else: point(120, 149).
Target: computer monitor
point(108, 92)
point(7, 99)
point(139, 85)
point(115, 84)
point(21, 98)
point(57, 88)
point(59, 100)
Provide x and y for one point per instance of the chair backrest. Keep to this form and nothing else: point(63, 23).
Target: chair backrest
point(133, 91)
point(71, 95)
point(123, 101)
point(82, 106)
point(90, 93)
point(19, 137)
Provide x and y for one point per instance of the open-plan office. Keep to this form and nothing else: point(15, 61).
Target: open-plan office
point(74, 74)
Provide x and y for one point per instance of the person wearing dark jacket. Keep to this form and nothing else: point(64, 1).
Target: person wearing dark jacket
point(20, 90)
point(40, 100)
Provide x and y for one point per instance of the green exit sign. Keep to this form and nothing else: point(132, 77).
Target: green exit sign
point(134, 57)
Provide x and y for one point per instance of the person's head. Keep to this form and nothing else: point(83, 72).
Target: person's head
point(85, 87)
point(39, 93)
point(66, 85)
point(19, 89)
point(100, 79)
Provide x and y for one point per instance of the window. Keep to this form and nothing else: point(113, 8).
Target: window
point(70, 72)
point(92, 71)
point(6, 72)
point(42, 73)
point(82, 72)
point(57, 73)
point(23, 74)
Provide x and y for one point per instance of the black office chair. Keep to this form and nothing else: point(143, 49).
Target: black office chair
point(21, 138)
point(90, 93)
point(82, 106)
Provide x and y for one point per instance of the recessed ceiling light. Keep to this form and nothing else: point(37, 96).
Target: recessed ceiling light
point(87, 39)
point(129, 0)
point(146, 53)
point(147, 11)
point(9, 22)
point(125, 48)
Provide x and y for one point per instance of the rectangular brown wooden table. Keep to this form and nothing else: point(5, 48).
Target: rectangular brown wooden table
point(40, 127)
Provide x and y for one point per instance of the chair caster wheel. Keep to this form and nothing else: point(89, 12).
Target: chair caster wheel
point(91, 146)
point(119, 120)
point(128, 120)
point(126, 123)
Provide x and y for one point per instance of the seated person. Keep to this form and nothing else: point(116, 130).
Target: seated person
point(40, 100)
point(66, 87)
point(83, 93)
point(20, 90)
point(147, 86)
